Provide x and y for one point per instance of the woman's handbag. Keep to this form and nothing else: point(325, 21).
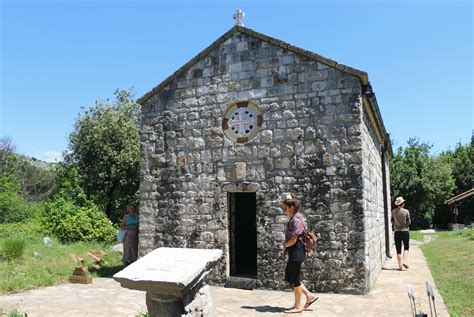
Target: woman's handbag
point(121, 235)
point(309, 241)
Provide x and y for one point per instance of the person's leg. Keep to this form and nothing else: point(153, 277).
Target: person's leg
point(126, 251)
point(294, 268)
point(305, 291)
point(406, 247)
point(298, 290)
point(289, 278)
point(310, 298)
point(398, 246)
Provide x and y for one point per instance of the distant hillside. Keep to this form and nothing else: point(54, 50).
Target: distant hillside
point(36, 162)
point(36, 177)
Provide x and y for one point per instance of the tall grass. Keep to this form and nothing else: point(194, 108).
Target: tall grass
point(13, 248)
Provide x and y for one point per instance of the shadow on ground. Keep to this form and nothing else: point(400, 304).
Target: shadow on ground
point(106, 271)
point(266, 309)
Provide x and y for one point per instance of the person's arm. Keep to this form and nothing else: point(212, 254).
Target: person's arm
point(291, 242)
point(408, 219)
point(123, 222)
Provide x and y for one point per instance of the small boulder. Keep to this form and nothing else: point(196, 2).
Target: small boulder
point(118, 248)
point(47, 242)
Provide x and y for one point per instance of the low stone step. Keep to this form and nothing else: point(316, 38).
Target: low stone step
point(241, 282)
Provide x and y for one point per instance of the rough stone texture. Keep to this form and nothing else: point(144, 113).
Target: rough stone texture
point(201, 306)
point(373, 201)
point(314, 142)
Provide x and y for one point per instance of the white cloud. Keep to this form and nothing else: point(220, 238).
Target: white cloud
point(50, 156)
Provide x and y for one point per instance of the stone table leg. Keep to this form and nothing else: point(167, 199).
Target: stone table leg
point(163, 306)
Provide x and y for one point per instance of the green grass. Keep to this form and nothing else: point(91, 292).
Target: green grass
point(49, 266)
point(13, 313)
point(451, 260)
point(14, 247)
point(416, 235)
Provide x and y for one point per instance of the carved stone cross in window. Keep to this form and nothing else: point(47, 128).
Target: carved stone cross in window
point(242, 121)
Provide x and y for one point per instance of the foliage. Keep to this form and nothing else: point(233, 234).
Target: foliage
point(6, 156)
point(105, 148)
point(461, 161)
point(463, 166)
point(423, 181)
point(14, 247)
point(41, 266)
point(71, 216)
point(21, 180)
point(463, 172)
point(13, 313)
point(36, 178)
point(12, 206)
point(28, 228)
point(451, 261)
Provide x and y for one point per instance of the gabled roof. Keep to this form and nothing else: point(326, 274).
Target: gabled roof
point(370, 102)
point(363, 77)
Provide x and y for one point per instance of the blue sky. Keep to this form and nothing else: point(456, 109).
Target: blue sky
point(59, 56)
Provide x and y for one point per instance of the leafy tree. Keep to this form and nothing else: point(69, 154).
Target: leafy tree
point(105, 148)
point(463, 167)
point(423, 181)
point(12, 206)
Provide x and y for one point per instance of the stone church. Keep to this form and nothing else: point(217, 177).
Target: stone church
point(246, 121)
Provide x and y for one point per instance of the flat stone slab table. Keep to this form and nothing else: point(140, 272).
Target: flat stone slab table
point(173, 280)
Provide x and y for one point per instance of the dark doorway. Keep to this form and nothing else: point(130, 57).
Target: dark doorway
point(243, 234)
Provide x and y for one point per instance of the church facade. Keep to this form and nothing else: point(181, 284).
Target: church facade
point(247, 121)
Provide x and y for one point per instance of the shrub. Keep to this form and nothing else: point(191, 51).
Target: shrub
point(72, 217)
point(13, 248)
point(70, 223)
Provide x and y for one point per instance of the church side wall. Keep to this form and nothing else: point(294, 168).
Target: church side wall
point(373, 202)
point(310, 145)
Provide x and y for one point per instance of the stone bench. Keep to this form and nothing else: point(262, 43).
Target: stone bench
point(173, 280)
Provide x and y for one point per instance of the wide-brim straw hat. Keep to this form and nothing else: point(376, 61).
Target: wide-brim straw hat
point(399, 201)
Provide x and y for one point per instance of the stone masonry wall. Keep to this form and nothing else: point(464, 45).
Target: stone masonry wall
point(374, 203)
point(310, 145)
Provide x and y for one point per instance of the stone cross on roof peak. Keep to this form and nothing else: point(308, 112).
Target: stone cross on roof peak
point(238, 16)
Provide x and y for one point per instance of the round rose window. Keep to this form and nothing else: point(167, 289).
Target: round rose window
point(242, 121)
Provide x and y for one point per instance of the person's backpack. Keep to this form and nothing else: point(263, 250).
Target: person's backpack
point(309, 241)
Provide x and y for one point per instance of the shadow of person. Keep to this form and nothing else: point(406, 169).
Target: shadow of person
point(266, 309)
point(106, 271)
